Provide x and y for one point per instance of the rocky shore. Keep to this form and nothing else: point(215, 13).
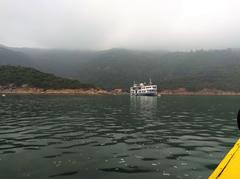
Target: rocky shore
point(38, 91)
point(203, 92)
point(99, 91)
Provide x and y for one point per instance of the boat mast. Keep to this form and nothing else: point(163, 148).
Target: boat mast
point(150, 81)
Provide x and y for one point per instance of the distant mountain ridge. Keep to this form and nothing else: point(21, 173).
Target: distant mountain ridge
point(10, 57)
point(118, 68)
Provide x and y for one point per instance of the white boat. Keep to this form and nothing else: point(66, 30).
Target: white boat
point(3, 95)
point(143, 89)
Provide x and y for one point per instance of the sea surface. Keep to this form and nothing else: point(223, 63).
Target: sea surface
point(115, 137)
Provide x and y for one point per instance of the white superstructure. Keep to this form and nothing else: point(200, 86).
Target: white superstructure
point(143, 89)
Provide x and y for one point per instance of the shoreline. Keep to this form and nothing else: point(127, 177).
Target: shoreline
point(203, 92)
point(98, 92)
point(80, 91)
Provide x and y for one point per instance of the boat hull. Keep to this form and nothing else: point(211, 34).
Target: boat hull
point(145, 94)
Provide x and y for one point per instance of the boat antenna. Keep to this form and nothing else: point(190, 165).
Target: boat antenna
point(150, 81)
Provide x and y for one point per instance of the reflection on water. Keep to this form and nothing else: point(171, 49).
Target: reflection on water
point(114, 136)
point(145, 105)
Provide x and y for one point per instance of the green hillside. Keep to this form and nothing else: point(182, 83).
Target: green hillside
point(21, 76)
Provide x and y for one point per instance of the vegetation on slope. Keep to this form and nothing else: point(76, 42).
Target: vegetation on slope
point(21, 76)
point(118, 68)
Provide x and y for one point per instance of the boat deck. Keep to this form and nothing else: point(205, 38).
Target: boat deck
point(229, 168)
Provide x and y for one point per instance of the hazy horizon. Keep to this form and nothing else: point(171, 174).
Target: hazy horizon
point(118, 48)
point(174, 25)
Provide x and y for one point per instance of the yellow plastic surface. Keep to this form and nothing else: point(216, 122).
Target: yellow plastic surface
point(229, 168)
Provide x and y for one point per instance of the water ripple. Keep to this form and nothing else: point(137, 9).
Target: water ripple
point(115, 136)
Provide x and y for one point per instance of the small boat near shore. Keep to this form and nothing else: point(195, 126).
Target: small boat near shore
point(143, 89)
point(3, 95)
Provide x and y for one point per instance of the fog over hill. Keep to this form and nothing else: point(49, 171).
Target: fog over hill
point(118, 68)
point(10, 57)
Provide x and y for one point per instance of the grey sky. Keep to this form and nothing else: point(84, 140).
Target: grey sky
point(138, 24)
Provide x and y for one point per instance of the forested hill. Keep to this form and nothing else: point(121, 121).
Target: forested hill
point(118, 68)
point(18, 76)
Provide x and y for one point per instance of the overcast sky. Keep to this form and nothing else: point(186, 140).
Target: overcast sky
point(134, 24)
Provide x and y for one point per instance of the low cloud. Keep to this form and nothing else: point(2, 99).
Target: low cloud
point(135, 24)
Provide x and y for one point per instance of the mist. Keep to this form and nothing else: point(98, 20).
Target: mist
point(135, 24)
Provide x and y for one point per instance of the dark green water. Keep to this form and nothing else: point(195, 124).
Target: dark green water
point(113, 137)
